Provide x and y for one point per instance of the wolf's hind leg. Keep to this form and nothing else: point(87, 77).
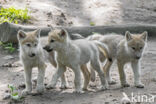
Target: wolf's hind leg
point(77, 80)
point(96, 65)
point(86, 75)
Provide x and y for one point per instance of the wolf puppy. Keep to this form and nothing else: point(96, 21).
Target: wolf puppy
point(74, 54)
point(125, 49)
point(31, 55)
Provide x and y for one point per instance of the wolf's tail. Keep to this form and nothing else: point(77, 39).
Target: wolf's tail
point(104, 49)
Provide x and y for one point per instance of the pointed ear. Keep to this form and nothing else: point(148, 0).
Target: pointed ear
point(63, 33)
point(144, 35)
point(21, 35)
point(128, 35)
point(37, 33)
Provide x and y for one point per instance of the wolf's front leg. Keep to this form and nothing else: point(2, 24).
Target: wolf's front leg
point(107, 69)
point(60, 70)
point(122, 74)
point(63, 81)
point(28, 83)
point(136, 71)
point(40, 78)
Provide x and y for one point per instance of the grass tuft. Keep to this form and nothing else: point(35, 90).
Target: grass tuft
point(13, 15)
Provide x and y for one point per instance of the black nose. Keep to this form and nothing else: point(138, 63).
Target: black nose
point(47, 48)
point(32, 55)
point(137, 57)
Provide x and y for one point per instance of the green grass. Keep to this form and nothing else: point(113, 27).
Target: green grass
point(92, 24)
point(13, 15)
point(8, 46)
point(14, 95)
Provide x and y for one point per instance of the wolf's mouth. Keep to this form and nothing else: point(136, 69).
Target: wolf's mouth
point(47, 48)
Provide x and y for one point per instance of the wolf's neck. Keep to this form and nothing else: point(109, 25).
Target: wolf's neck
point(65, 46)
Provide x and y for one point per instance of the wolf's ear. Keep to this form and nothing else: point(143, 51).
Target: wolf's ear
point(144, 35)
point(21, 35)
point(37, 33)
point(128, 35)
point(63, 33)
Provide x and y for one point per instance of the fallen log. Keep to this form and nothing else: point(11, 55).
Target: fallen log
point(8, 31)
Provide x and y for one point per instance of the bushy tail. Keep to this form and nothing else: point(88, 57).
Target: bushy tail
point(104, 49)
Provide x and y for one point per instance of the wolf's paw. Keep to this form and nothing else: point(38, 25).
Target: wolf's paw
point(111, 82)
point(79, 91)
point(26, 92)
point(125, 85)
point(92, 84)
point(85, 89)
point(63, 86)
point(140, 85)
point(50, 86)
point(40, 89)
point(103, 88)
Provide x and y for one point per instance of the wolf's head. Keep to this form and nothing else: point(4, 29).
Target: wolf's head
point(29, 42)
point(56, 39)
point(136, 43)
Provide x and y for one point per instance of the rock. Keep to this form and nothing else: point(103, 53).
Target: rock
point(114, 100)
point(6, 96)
point(7, 65)
point(8, 57)
point(21, 86)
point(153, 79)
point(6, 91)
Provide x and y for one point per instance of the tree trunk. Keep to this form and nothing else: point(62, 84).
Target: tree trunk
point(8, 31)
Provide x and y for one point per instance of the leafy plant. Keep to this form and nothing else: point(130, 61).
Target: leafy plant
point(13, 15)
point(92, 24)
point(8, 46)
point(95, 33)
point(14, 95)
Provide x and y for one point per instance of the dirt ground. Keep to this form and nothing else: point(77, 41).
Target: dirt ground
point(14, 75)
point(80, 13)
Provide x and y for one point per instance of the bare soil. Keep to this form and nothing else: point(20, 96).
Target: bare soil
point(80, 13)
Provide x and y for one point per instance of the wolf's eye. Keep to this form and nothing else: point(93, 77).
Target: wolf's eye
point(133, 48)
point(28, 45)
point(52, 40)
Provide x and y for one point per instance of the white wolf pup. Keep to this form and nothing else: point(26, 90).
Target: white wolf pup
point(31, 55)
point(74, 54)
point(125, 49)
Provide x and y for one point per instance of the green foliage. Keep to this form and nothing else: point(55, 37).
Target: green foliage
point(8, 46)
point(95, 33)
point(14, 95)
point(92, 24)
point(13, 15)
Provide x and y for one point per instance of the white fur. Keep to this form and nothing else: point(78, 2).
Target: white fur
point(119, 49)
point(74, 54)
point(31, 62)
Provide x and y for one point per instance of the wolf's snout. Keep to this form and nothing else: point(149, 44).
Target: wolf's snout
point(32, 54)
point(47, 48)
